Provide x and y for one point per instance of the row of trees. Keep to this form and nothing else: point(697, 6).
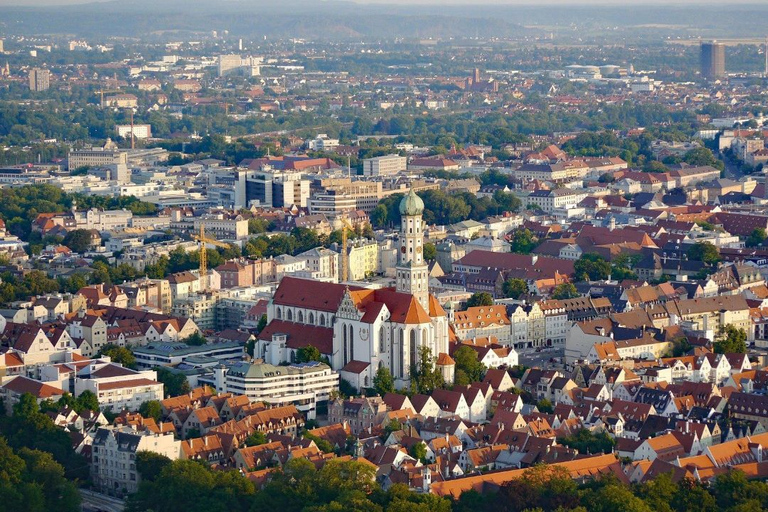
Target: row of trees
point(191, 486)
point(443, 208)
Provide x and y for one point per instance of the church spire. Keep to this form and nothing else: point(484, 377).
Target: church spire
point(412, 272)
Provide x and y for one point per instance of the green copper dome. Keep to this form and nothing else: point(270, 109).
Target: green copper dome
point(411, 204)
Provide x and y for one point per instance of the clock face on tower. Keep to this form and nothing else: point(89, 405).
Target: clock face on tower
point(418, 249)
point(402, 249)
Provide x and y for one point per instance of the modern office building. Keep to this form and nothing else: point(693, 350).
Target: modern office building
point(39, 79)
point(229, 64)
point(276, 188)
point(303, 385)
point(140, 131)
point(712, 60)
point(384, 165)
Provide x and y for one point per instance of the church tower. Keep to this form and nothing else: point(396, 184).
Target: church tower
point(412, 272)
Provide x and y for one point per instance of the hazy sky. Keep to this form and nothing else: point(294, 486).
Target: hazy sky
point(445, 2)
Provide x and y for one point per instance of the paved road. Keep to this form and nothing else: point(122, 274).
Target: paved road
point(96, 502)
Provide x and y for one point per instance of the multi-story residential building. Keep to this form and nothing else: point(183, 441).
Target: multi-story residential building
point(363, 258)
point(322, 263)
point(556, 322)
point(235, 274)
point(550, 200)
point(303, 385)
point(116, 387)
point(528, 325)
point(149, 293)
point(183, 284)
point(360, 414)
point(39, 79)
point(228, 64)
point(199, 307)
point(113, 461)
point(483, 322)
point(386, 165)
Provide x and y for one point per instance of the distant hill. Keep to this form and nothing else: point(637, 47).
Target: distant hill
point(338, 19)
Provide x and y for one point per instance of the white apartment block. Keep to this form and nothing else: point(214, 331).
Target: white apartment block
point(322, 143)
point(126, 389)
point(223, 227)
point(140, 131)
point(113, 463)
point(384, 165)
point(300, 384)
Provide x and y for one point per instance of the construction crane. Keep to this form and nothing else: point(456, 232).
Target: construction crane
point(204, 239)
point(102, 91)
point(345, 225)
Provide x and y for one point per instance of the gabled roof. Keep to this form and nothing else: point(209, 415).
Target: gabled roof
point(21, 384)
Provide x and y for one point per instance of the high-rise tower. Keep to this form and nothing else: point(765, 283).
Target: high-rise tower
point(712, 60)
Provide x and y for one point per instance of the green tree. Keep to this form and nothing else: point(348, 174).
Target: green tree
point(383, 382)
point(703, 156)
point(514, 288)
point(545, 406)
point(120, 355)
point(262, 323)
point(591, 267)
point(425, 377)
point(705, 252)
point(79, 240)
point(190, 486)
point(614, 496)
point(257, 225)
point(565, 291)
point(419, 451)
point(256, 439)
point(151, 409)
point(480, 299)
point(308, 353)
point(150, 464)
point(87, 401)
point(467, 362)
point(731, 340)
point(195, 339)
point(587, 442)
point(430, 251)
point(524, 241)
point(756, 238)
point(174, 384)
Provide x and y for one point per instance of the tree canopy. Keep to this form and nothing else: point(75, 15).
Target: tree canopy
point(480, 299)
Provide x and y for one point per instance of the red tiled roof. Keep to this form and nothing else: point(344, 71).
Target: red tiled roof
point(300, 335)
point(22, 384)
point(105, 386)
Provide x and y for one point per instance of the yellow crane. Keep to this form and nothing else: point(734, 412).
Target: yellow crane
point(102, 92)
point(345, 225)
point(204, 239)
